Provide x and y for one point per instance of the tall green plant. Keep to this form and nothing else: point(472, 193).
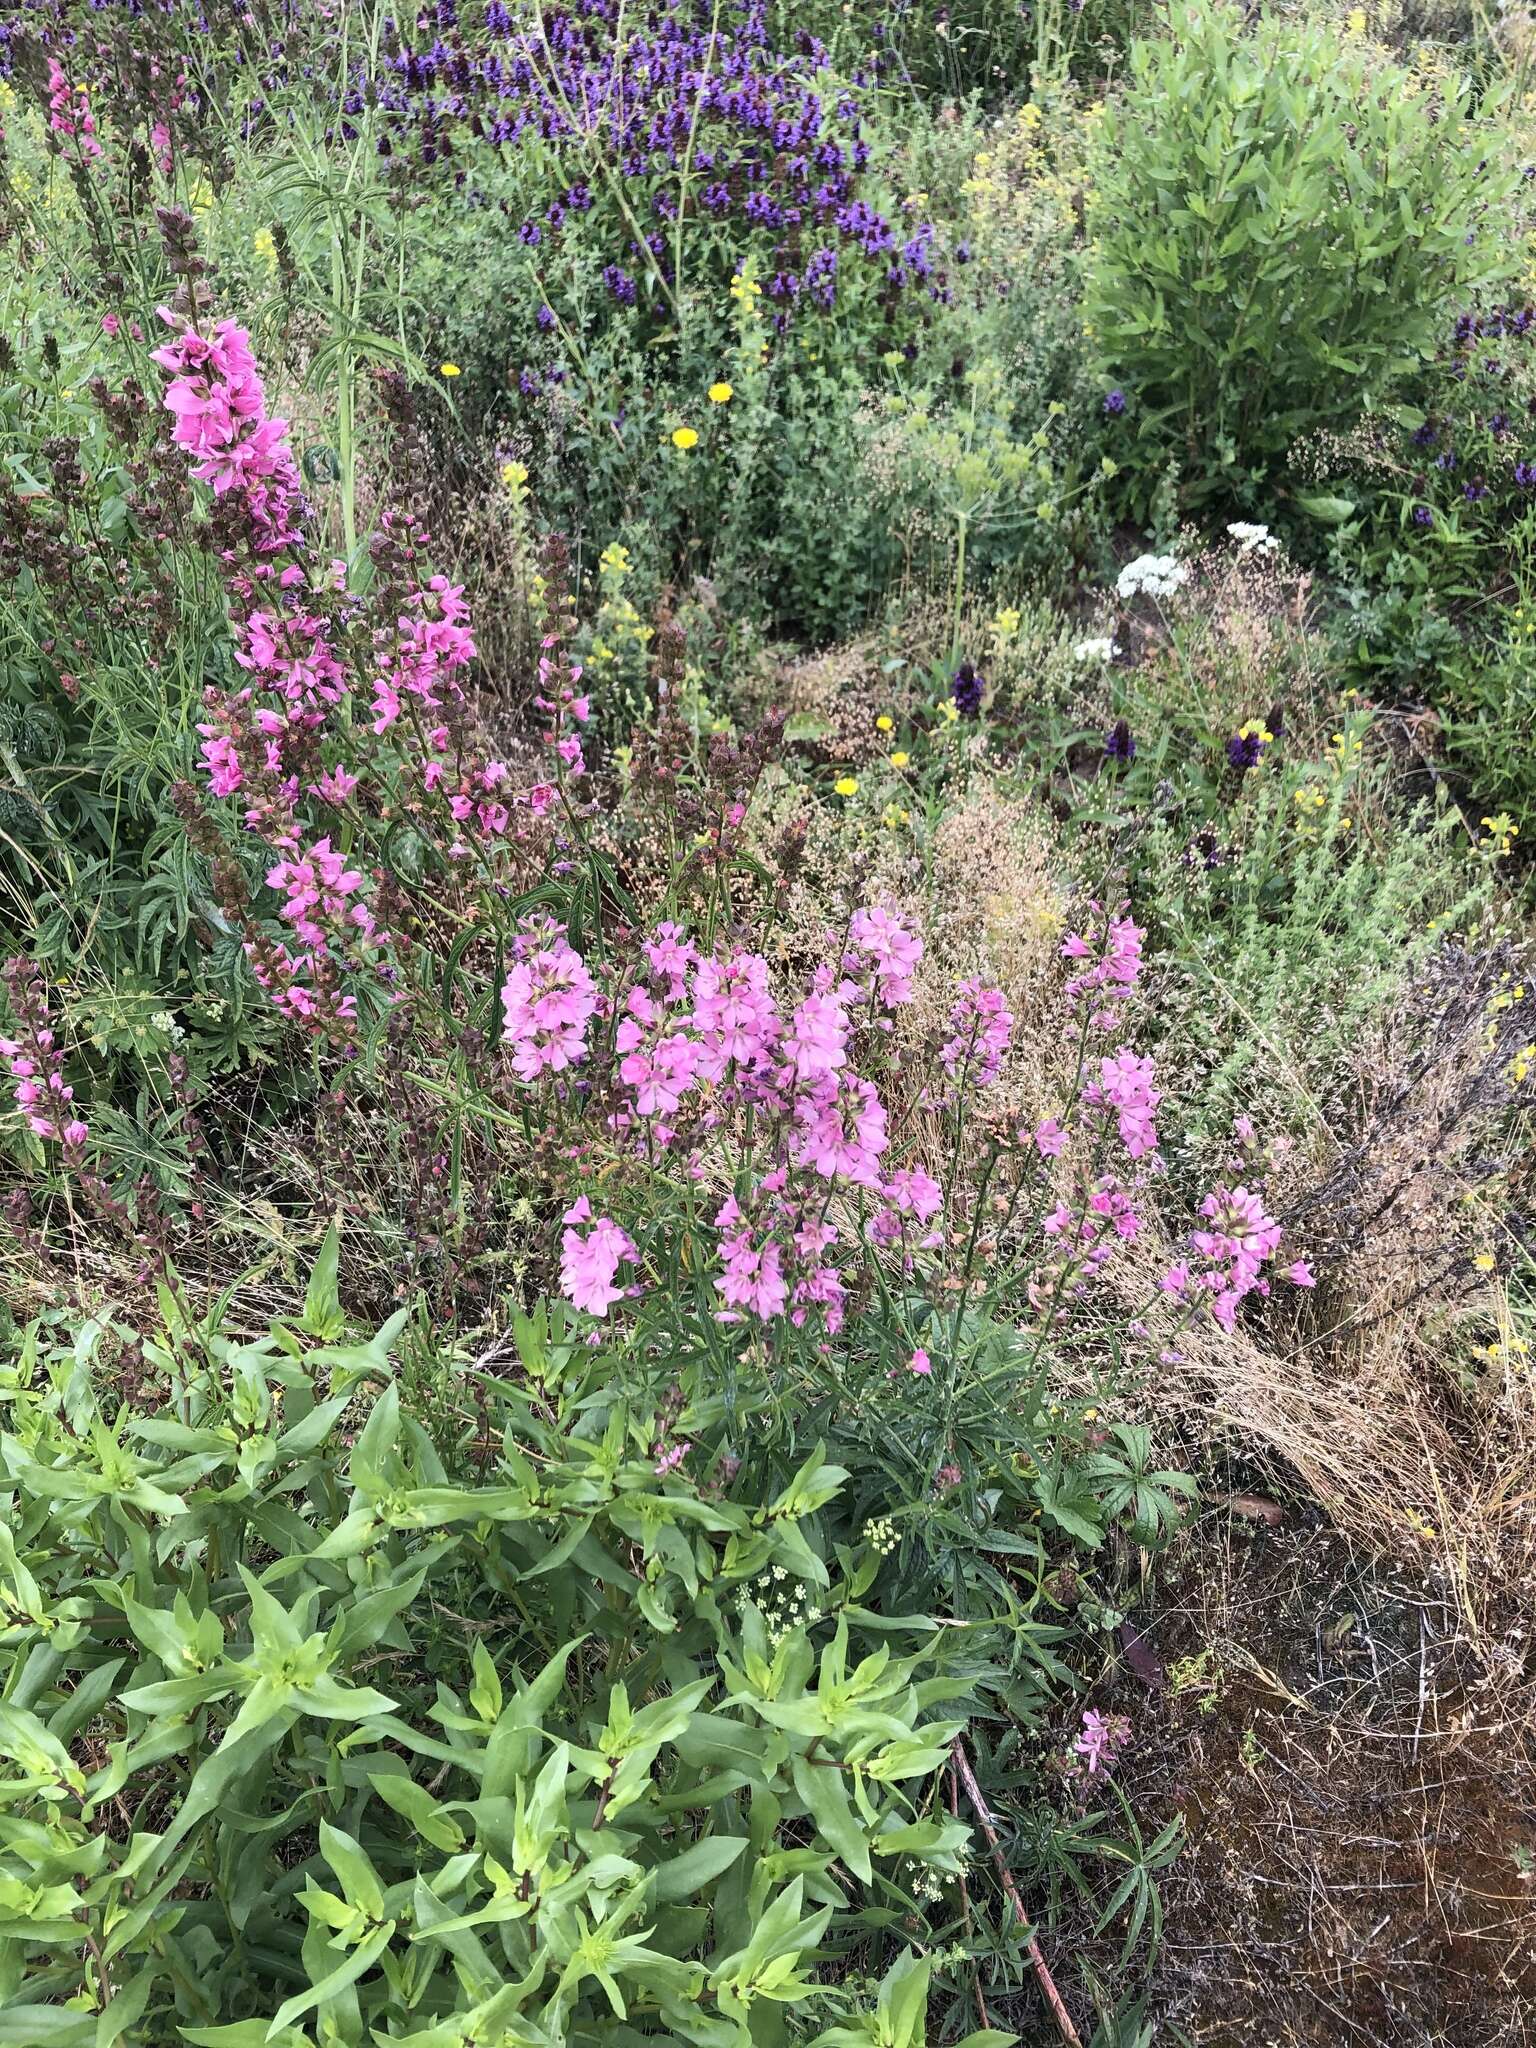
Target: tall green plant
point(1277, 243)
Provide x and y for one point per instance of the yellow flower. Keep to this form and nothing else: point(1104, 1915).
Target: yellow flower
point(847, 785)
point(721, 393)
point(450, 370)
point(684, 437)
point(1484, 1262)
point(901, 760)
point(1006, 624)
point(514, 475)
point(885, 723)
point(1355, 21)
point(949, 711)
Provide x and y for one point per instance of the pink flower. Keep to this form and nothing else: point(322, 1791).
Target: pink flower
point(983, 1028)
point(914, 1193)
point(1050, 1138)
point(1125, 1085)
point(671, 955)
point(547, 999)
point(1300, 1274)
point(920, 1363)
point(842, 1130)
point(753, 1276)
point(335, 786)
point(588, 1264)
point(734, 1014)
point(68, 113)
point(658, 1064)
point(817, 1037)
point(317, 884)
point(1101, 1740)
point(893, 951)
point(1116, 956)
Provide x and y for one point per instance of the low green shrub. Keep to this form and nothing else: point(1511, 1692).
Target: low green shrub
point(317, 1730)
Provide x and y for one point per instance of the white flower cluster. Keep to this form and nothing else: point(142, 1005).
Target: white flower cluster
point(781, 1601)
point(1152, 575)
point(1103, 650)
point(1253, 540)
point(882, 1535)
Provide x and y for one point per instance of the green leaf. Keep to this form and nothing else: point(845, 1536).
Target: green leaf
point(346, 1972)
point(681, 1876)
point(323, 1315)
point(1329, 511)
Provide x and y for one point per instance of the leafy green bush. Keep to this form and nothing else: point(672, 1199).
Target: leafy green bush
point(1278, 246)
point(316, 1730)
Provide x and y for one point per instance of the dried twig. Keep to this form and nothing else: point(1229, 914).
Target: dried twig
point(1043, 1976)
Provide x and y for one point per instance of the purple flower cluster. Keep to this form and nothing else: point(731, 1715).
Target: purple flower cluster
point(633, 115)
point(1473, 452)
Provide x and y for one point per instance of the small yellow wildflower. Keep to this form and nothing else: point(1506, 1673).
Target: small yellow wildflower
point(847, 785)
point(1502, 833)
point(684, 437)
point(1006, 624)
point(1355, 21)
point(885, 723)
point(514, 475)
point(901, 760)
point(949, 711)
point(894, 817)
point(1484, 1261)
point(721, 393)
point(450, 370)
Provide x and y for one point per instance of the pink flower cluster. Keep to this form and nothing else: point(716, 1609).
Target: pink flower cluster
point(263, 742)
point(1126, 1086)
point(1113, 952)
point(1101, 1740)
point(68, 111)
point(1230, 1255)
point(983, 1031)
point(590, 1262)
point(1088, 1230)
point(219, 405)
point(893, 953)
point(547, 1001)
point(423, 658)
point(316, 887)
point(36, 1065)
point(560, 699)
point(703, 1037)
